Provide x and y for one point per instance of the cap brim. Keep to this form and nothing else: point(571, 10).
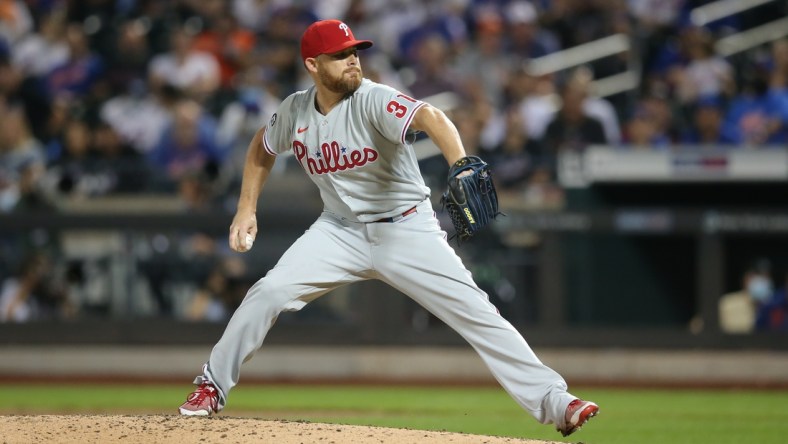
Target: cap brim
point(360, 44)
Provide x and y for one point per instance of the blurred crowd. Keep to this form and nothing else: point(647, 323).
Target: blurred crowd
point(126, 96)
point(117, 97)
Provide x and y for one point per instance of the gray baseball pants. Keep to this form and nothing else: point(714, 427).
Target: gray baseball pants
point(413, 256)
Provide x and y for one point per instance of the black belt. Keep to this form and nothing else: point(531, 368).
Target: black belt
point(397, 217)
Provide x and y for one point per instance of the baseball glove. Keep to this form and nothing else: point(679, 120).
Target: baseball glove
point(471, 200)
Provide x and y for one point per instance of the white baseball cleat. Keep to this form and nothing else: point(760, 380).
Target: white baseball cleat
point(578, 412)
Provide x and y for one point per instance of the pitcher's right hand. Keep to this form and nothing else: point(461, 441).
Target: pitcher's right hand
point(244, 223)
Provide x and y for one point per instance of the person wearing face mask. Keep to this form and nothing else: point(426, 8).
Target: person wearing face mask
point(738, 310)
point(773, 314)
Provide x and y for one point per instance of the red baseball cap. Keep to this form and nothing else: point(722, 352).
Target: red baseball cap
point(328, 37)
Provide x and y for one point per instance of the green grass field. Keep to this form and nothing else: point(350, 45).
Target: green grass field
point(626, 416)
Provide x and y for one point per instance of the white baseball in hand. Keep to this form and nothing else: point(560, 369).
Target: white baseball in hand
point(249, 241)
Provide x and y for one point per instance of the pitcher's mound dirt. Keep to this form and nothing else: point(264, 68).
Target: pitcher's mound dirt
point(224, 430)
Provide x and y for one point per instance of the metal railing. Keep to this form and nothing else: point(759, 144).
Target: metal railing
point(589, 52)
point(703, 15)
point(751, 38)
point(578, 55)
point(618, 43)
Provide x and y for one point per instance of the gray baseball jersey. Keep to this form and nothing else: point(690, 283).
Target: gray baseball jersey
point(358, 155)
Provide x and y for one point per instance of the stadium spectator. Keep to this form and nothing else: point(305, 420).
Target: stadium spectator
point(152, 115)
point(278, 50)
point(178, 265)
point(194, 73)
point(559, 16)
point(38, 53)
point(572, 129)
point(84, 69)
point(127, 63)
point(156, 19)
point(469, 127)
point(34, 293)
point(492, 121)
point(125, 168)
point(650, 125)
point(738, 310)
point(190, 144)
point(754, 116)
point(194, 190)
point(641, 132)
point(486, 50)
point(31, 94)
point(95, 162)
point(526, 38)
point(239, 120)
point(655, 15)
point(96, 14)
point(517, 157)
point(773, 314)
point(422, 21)
point(229, 44)
point(15, 21)
point(778, 90)
point(596, 107)
point(79, 172)
point(201, 10)
point(17, 302)
point(706, 123)
point(22, 162)
point(218, 296)
point(537, 100)
point(208, 302)
point(387, 23)
point(252, 14)
point(431, 65)
point(705, 73)
point(655, 30)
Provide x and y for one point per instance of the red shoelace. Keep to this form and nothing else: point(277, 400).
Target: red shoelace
point(198, 396)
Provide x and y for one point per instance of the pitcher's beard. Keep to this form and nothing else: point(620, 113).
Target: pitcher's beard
point(342, 85)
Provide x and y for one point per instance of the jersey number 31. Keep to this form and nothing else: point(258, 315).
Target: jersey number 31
point(398, 109)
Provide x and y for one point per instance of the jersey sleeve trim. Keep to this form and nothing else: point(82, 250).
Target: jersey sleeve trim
point(266, 145)
point(407, 122)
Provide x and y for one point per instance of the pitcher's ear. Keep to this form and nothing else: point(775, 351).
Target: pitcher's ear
point(310, 63)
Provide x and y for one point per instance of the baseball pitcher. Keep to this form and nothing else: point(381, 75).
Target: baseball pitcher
point(353, 139)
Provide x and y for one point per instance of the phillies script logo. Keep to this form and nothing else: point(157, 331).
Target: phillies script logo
point(331, 158)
